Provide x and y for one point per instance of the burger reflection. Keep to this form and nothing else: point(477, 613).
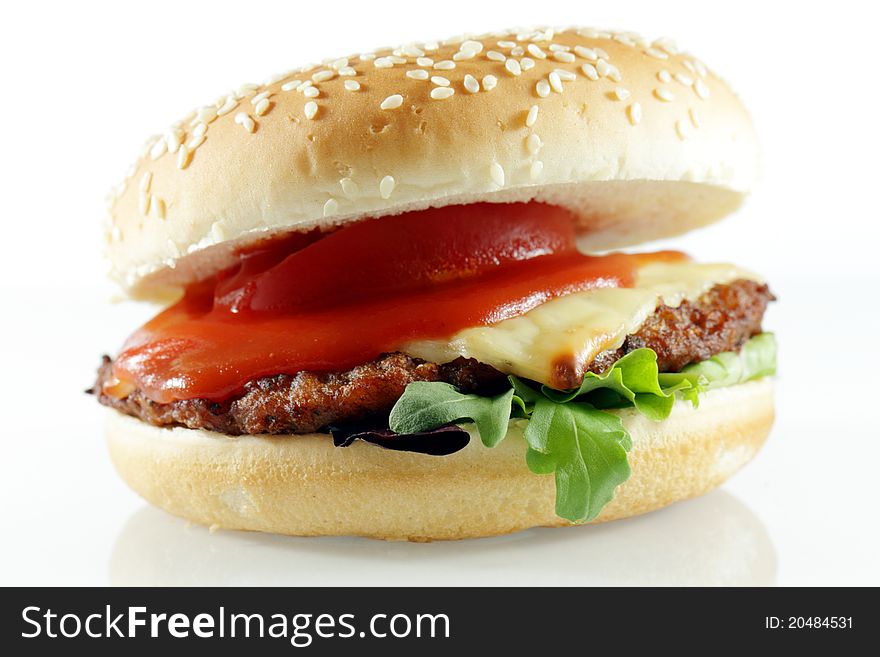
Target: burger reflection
point(715, 540)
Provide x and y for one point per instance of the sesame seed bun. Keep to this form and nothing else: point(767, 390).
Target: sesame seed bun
point(639, 140)
point(303, 485)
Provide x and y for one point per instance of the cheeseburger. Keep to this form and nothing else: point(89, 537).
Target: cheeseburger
point(396, 304)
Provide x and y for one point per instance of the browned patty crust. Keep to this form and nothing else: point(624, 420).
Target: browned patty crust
point(721, 320)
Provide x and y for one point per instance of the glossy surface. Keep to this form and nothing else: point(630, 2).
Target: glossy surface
point(362, 291)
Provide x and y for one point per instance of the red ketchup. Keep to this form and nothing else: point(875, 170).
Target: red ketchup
point(331, 302)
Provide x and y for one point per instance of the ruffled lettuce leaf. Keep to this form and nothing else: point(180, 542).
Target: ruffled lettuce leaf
point(427, 405)
point(568, 433)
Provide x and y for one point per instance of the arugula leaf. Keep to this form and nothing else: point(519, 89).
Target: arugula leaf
point(634, 378)
point(586, 451)
point(568, 434)
point(427, 405)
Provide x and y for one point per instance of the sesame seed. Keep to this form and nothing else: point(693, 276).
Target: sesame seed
point(263, 107)
point(565, 76)
point(464, 54)
point(195, 141)
point(339, 64)
point(587, 53)
point(228, 106)
point(542, 88)
point(656, 53)
point(430, 46)
point(206, 114)
point(507, 44)
point(440, 81)
point(536, 169)
point(383, 62)
point(634, 113)
point(412, 50)
point(664, 94)
point(347, 71)
point(259, 98)
point(701, 89)
point(517, 51)
point(532, 116)
point(144, 202)
point(562, 56)
point(690, 66)
point(695, 118)
point(310, 109)
point(602, 67)
point(158, 208)
point(323, 76)
point(278, 77)
point(471, 45)
point(555, 82)
point(620, 93)
point(513, 67)
point(247, 89)
point(533, 144)
point(445, 65)
point(158, 149)
point(417, 74)
point(701, 68)
point(590, 71)
point(664, 76)
point(174, 138)
point(441, 93)
point(331, 207)
point(245, 121)
point(681, 78)
point(352, 85)
point(535, 51)
point(496, 172)
point(184, 155)
point(305, 85)
point(392, 102)
point(559, 47)
point(367, 56)
point(146, 181)
point(471, 84)
point(601, 54)
point(667, 45)
point(290, 86)
point(311, 92)
point(386, 186)
point(489, 82)
point(681, 128)
point(349, 187)
point(200, 130)
point(425, 61)
point(496, 56)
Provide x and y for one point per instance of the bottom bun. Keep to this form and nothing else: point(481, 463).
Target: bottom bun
point(303, 485)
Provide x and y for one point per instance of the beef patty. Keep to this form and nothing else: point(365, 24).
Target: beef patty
point(721, 320)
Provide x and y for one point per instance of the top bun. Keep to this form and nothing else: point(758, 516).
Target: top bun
point(637, 139)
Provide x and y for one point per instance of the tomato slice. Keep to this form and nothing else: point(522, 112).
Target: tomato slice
point(398, 255)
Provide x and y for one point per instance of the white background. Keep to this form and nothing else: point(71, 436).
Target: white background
point(84, 83)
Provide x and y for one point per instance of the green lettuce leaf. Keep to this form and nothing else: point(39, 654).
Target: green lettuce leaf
point(586, 451)
point(428, 405)
point(568, 432)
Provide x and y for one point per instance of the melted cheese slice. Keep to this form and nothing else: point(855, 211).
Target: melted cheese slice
point(558, 339)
